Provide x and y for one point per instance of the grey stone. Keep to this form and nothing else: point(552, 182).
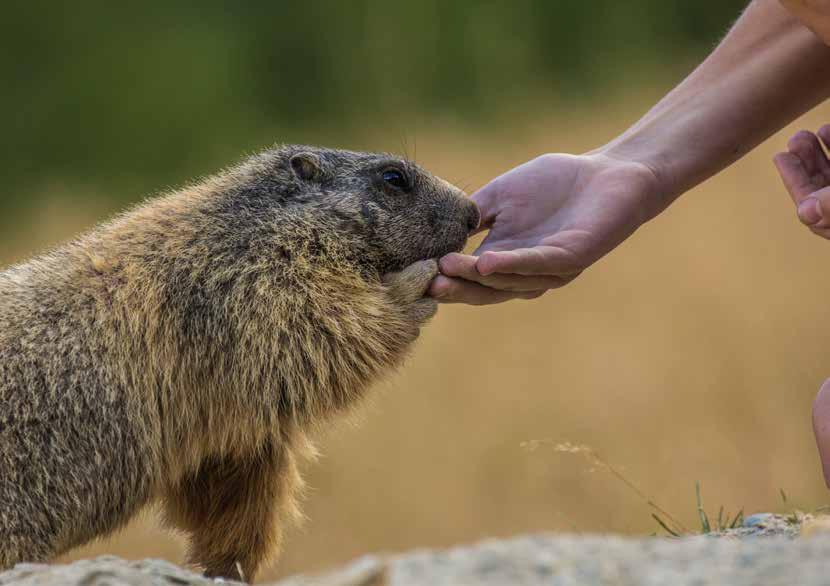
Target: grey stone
point(758, 520)
point(103, 571)
point(764, 552)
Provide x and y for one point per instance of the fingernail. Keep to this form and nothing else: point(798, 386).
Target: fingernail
point(809, 211)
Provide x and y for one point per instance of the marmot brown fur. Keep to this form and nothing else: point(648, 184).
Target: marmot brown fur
point(180, 352)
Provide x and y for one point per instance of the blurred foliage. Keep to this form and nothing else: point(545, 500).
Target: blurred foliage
point(122, 98)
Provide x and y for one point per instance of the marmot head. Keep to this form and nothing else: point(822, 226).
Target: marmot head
point(402, 212)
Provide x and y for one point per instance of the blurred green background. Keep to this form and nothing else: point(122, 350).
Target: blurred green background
point(691, 353)
point(114, 100)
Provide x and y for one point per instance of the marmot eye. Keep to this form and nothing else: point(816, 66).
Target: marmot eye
point(396, 179)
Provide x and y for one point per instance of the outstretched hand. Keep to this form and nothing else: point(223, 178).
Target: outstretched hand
point(548, 219)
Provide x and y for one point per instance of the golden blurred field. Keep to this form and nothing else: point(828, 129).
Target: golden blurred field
point(691, 353)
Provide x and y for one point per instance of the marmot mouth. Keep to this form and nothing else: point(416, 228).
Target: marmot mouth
point(455, 235)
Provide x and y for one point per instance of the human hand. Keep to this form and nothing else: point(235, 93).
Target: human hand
point(548, 219)
point(805, 171)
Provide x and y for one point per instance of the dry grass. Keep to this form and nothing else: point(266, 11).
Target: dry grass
point(691, 353)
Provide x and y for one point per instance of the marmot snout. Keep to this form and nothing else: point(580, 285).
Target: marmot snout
point(180, 352)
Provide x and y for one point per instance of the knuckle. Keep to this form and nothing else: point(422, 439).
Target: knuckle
point(801, 136)
point(547, 159)
point(445, 264)
point(488, 262)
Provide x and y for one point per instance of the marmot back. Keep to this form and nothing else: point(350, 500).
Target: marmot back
point(181, 351)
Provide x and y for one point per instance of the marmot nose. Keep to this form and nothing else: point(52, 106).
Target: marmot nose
point(473, 215)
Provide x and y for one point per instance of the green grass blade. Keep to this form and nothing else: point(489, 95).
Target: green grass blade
point(704, 519)
point(739, 519)
point(664, 526)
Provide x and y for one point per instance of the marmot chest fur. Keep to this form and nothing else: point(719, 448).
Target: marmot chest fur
point(179, 352)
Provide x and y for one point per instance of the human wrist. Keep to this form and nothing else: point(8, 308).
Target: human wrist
point(647, 166)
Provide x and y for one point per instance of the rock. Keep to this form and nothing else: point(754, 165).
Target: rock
point(104, 571)
point(762, 552)
point(768, 525)
point(814, 527)
point(600, 561)
point(758, 520)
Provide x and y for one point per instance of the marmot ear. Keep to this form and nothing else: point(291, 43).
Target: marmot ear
point(306, 166)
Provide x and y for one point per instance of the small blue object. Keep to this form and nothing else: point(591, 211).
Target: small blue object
point(758, 520)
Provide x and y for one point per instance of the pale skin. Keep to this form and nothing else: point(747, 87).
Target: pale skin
point(554, 216)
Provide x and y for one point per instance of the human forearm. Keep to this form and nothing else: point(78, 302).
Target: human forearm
point(767, 71)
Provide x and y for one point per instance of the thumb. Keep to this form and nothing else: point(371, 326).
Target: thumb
point(821, 428)
point(487, 200)
point(815, 208)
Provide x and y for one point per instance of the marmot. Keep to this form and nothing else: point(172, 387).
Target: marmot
point(179, 353)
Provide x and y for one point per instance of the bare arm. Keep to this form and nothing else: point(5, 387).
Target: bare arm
point(552, 217)
point(768, 70)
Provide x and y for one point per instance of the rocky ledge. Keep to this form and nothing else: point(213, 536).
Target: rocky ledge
point(767, 550)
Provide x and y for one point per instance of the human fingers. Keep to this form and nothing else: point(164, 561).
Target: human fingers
point(824, 135)
point(486, 199)
point(794, 176)
point(538, 260)
point(464, 267)
point(807, 147)
point(452, 290)
point(814, 210)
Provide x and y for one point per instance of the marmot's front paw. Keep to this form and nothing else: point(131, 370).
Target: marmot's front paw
point(409, 286)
